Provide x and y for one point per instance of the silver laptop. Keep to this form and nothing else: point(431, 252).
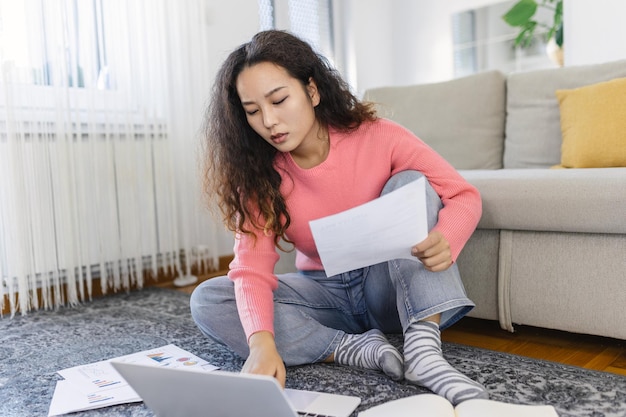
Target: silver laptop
point(175, 392)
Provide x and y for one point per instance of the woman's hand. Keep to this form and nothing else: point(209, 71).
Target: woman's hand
point(264, 358)
point(434, 252)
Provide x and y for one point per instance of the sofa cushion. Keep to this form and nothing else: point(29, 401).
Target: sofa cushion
point(593, 124)
point(461, 119)
point(533, 125)
point(590, 200)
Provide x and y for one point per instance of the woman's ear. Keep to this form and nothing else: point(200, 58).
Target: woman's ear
point(313, 92)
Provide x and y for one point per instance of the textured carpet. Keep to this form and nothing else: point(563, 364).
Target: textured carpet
point(34, 347)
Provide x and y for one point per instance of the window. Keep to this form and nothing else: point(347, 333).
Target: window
point(483, 41)
point(55, 42)
point(464, 35)
point(310, 20)
point(266, 14)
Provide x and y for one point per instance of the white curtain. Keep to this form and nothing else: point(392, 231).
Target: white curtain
point(101, 103)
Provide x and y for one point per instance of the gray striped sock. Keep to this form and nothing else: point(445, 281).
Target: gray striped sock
point(370, 350)
point(425, 365)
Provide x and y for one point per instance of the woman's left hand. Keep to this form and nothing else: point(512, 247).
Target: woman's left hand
point(434, 252)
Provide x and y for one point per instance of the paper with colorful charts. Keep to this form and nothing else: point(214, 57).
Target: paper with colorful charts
point(98, 384)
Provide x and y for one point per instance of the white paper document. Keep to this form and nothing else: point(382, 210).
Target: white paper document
point(98, 384)
point(383, 229)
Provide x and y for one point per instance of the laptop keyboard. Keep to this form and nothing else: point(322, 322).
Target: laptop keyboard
point(305, 414)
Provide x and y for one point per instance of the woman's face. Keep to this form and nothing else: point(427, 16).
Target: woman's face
point(278, 107)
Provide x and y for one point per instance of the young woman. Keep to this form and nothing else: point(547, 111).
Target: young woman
point(287, 143)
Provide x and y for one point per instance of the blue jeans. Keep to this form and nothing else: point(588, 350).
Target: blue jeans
point(312, 312)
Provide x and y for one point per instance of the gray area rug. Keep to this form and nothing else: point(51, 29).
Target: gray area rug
point(34, 347)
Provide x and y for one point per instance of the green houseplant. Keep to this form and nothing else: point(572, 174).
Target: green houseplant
point(522, 16)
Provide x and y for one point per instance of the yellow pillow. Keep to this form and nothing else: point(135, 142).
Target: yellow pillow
point(593, 125)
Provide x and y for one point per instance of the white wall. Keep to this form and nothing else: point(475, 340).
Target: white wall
point(230, 24)
point(400, 42)
point(595, 31)
point(364, 31)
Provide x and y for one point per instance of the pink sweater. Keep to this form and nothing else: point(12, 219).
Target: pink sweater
point(357, 167)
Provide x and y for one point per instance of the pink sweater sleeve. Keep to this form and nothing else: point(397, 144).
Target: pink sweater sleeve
point(252, 272)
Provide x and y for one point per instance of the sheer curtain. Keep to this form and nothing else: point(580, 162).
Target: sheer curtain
point(101, 102)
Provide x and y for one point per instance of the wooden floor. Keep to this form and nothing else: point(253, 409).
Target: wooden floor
point(591, 352)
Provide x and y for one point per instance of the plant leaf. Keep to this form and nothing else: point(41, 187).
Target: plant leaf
point(525, 37)
point(558, 14)
point(558, 36)
point(520, 13)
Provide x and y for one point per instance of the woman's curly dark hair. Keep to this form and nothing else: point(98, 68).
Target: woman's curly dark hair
point(240, 168)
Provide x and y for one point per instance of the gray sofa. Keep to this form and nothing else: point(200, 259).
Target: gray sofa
point(550, 248)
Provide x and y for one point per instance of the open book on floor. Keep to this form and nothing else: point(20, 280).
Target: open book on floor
point(431, 405)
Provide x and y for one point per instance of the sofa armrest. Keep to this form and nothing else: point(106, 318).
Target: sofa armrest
point(590, 200)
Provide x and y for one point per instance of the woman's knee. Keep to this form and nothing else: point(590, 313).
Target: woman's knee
point(210, 299)
point(433, 201)
point(401, 178)
point(214, 310)
point(212, 291)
